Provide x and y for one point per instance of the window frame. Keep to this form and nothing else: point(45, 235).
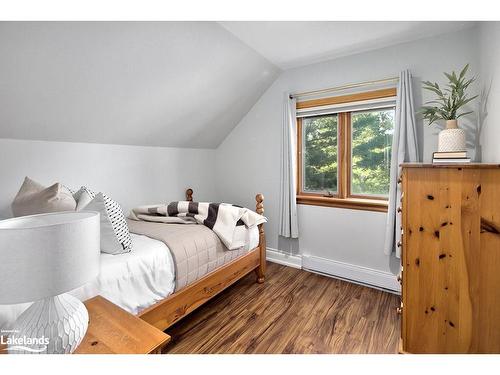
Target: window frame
point(343, 198)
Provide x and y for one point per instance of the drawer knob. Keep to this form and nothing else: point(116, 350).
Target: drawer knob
point(399, 210)
point(399, 244)
point(399, 310)
point(399, 180)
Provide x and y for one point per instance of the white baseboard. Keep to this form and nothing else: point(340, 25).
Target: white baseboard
point(276, 256)
point(351, 272)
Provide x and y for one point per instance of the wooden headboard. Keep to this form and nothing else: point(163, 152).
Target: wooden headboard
point(189, 195)
point(259, 198)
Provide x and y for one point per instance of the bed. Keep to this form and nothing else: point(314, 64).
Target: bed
point(177, 305)
point(147, 281)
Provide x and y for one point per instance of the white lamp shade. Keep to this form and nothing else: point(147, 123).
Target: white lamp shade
point(45, 255)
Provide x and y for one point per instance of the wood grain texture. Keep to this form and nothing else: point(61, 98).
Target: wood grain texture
point(349, 98)
point(168, 311)
point(260, 271)
point(113, 330)
point(344, 154)
point(351, 203)
point(294, 311)
point(452, 165)
point(451, 258)
point(173, 308)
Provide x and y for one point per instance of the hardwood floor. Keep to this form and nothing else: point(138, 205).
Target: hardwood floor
point(294, 311)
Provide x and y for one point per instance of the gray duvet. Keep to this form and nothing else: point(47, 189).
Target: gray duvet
point(195, 248)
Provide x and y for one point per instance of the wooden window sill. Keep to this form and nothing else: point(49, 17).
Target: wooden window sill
point(377, 205)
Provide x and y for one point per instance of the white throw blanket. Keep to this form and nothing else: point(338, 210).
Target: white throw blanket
point(228, 221)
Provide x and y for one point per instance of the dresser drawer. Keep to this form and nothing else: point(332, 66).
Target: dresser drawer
point(451, 240)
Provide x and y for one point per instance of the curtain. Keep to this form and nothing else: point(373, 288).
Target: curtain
point(404, 149)
point(288, 226)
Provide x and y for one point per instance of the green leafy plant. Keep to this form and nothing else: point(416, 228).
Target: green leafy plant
point(450, 99)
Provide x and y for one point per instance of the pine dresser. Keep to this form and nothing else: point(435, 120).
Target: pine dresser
point(450, 258)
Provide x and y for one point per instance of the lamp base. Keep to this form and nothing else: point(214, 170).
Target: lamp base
point(54, 325)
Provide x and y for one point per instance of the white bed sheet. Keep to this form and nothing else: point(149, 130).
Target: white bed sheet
point(253, 239)
point(133, 281)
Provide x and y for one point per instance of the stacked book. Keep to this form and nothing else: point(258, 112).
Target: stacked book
point(450, 157)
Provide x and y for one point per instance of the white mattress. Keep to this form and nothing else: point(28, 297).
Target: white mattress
point(133, 281)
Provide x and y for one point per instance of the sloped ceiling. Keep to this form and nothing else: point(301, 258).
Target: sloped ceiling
point(290, 44)
point(178, 84)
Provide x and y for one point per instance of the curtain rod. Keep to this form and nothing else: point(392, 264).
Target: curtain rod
point(339, 88)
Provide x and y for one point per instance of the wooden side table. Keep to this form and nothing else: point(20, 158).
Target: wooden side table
point(113, 330)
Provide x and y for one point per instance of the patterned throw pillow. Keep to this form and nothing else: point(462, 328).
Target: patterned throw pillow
point(113, 214)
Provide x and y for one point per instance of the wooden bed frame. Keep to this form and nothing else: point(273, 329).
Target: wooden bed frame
point(176, 306)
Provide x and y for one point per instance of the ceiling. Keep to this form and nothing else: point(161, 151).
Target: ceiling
point(290, 44)
point(177, 84)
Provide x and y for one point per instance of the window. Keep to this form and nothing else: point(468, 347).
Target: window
point(371, 142)
point(320, 153)
point(344, 151)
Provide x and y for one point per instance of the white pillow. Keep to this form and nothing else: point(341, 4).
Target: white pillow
point(83, 198)
point(115, 236)
point(34, 198)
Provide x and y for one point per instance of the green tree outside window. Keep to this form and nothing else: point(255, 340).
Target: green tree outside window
point(371, 139)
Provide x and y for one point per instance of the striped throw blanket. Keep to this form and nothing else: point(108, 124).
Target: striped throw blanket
point(228, 221)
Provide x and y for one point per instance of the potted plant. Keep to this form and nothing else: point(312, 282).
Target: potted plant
point(447, 106)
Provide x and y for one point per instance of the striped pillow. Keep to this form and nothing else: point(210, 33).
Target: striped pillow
point(88, 199)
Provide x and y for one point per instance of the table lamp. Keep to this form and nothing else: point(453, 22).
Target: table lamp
point(41, 258)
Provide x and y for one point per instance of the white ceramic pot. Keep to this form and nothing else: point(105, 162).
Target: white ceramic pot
point(452, 138)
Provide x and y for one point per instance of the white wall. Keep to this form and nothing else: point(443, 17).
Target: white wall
point(132, 175)
point(248, 160)
point(489, 38)
point(353, 237)
point(169, 84)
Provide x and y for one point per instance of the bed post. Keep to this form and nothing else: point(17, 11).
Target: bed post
point(189, 195)
point(261, 270)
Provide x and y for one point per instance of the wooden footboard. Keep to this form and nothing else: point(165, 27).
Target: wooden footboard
point(173, 308)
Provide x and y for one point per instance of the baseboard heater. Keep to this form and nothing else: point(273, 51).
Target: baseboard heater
point(353, 281)
point(380, 280)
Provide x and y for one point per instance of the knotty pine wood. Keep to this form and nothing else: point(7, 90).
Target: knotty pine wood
point(294, 311)
point(260, 271)
point(113, 330)
point(451, 259)
point(173, 308)
point(452, 165)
